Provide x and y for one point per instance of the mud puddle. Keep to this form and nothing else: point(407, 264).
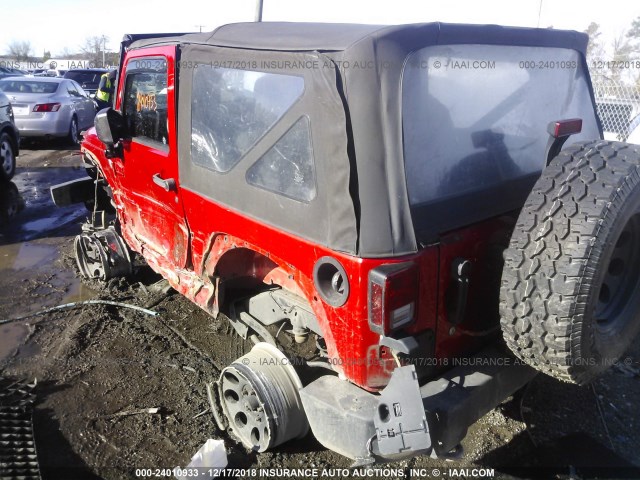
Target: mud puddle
point(78, 291)
point(44, 289)
point(28, 212)
point(19, 256)
point(31, 231)
point(11, 336)
point(16, 260)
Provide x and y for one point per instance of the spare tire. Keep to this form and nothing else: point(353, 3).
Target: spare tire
point(570, 293)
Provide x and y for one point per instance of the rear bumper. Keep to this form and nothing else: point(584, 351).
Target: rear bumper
point(405, 419)
point(52, 124)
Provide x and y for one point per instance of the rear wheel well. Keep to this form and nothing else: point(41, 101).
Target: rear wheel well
point(239, 267)
point(256, 284)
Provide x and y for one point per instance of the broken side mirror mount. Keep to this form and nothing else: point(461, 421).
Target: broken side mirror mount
point(110, 128)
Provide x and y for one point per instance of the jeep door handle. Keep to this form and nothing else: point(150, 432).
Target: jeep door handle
point(168, 185)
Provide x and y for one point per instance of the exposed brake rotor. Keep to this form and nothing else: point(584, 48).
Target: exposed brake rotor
point(102, 254)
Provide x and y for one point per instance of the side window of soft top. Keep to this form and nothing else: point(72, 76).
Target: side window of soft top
point(145, 99)
point(232, 109)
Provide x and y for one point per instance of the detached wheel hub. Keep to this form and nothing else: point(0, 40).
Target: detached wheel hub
point(259, 397)
point(102, 254)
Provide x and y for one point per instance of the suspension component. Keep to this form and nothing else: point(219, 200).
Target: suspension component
point(102, 254)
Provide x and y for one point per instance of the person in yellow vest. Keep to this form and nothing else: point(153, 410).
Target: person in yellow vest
point(105, 90)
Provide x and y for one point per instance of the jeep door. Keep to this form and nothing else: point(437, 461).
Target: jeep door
point(153, 217)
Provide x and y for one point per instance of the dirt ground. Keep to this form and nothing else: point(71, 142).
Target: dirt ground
point(99, 368)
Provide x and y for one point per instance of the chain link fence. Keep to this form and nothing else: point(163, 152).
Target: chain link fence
point(618, 106)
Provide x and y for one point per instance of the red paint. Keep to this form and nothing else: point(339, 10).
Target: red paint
point(196, 243)
point(483, 245)
point(350, 342)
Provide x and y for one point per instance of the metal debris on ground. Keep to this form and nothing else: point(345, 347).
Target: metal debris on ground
point(18, 459)
point(211, 457)
point(127, 413)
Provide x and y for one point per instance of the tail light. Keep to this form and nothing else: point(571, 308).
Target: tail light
point(564, 128)
point(393, 296)
point(46, 107)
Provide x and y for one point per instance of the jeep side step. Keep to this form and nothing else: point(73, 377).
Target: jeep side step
point(386, 427)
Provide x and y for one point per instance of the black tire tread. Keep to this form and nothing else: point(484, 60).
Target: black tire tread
point(3, 175)
point(69, 138)
point(551, 260)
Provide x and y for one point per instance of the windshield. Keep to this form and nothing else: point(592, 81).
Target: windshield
point(84, 77)
point(11, 85)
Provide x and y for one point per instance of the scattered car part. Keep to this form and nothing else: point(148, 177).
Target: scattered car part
point(73, 191)
point(18, 456)
point(400, 420)
point(215, 405)
point(260, 399)
point(348, 420)
point(102, 254)
point(91, 190)
point(211, 457)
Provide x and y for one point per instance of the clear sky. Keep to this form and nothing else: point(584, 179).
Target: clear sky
point(56, 24)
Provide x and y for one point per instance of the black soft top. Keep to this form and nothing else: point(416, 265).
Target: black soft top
point(333, 37)
point(367, 206)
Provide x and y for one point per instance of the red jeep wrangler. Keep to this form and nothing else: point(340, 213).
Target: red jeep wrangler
point(395, 196)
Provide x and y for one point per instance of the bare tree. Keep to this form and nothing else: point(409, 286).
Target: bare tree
point(595, 49)
point(65, 53)
point(622, 50)
point(634, 32)
point(20, 50)
point(93, 49)
point(634, 39)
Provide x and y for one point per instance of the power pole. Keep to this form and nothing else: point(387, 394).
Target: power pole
point(539, 13)
point(104, 47)
point(200, 27)
point(259, 10)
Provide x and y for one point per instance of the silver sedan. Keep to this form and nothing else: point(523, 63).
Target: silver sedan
point(49, 107)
